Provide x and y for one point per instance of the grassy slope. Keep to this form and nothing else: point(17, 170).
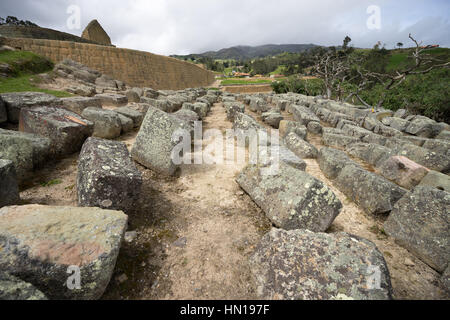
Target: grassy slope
point(25, 65)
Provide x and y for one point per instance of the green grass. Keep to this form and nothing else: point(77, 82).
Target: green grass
point(51, 183)
point(279, 70)
point(24, 84)
point(24, 66)
point(244, 82)
point(397, 61)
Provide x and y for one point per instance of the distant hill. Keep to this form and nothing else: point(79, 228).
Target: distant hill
point(248, 52)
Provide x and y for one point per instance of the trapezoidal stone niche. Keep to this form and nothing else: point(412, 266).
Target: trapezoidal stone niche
point(95, 32)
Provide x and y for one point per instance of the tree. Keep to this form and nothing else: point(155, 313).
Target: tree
point(399, 45)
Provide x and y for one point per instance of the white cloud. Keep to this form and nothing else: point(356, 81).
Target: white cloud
point(179, 26)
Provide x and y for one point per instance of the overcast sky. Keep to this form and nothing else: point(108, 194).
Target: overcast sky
point(194, 26)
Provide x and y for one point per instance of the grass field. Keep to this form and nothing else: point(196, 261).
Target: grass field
point(24, 67)
point(230, 82)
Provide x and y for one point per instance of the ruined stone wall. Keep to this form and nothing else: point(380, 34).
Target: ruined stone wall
point(135, 68)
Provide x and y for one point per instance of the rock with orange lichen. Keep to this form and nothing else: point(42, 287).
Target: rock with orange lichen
point(45, 245)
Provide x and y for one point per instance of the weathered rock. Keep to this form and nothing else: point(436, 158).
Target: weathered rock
point(69, 68)
point(187, 116)
point(107, 123)
point(402, 171)
point(273, 119)
point(355, 131)
point(78, 104)
point(438, 146)
point(39, 243)
point(155, 141)
point(16, 101)
point(418, 141)
point(26, 151)
point(436, 180)
point(401, 113)
point(338, 140)
point(374, 194)
point(3, 114)
point(287, 127)
point(424, 127)
point(9, 190)
point(96, 33)
point(332, 161)
point(420, 222)
point(233, 108)
point(300, 147)
point(315, 127)
point(134, 95)
point(303, 115)
point(371, 153)
point(12, 288)
point(82, 90)
point(126, 123)
point(201, 109)
point(291, 199)
point(396, 123)
point(431, 160)
point(134, 115)
point(445, 279)
point(375, 138)
point(444, 135)
point(370, 123)
point(112, 100)
point(302, 265)
point(66, 130)
point(107, 177)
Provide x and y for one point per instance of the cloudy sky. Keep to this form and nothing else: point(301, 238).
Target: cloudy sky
point(194, 26)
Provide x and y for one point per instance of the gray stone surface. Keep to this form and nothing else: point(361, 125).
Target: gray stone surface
point(374, 194)
point(301, 265)
point(133, 114)
point(16, 101)
point(332, 161)
point(107, 177)
point(126, 123)
point(315, 127)
point(39, 243)
point(9, 190)
point(300, 147)
point(287, 127)
point(233, 108)
point(155, 141)
point(272, 118)
point(12, 289)
point(78, 104)
point(420, 222)
point(26, 151)
point(291, 198)
point(338, 140)
point(431, 160)
point(107, 123)
point(371, 153)
point(112, 100)
point(402, 171)
point(436, 180)
point(3, 113)
point(303, 115)
point(424, 127)
point(66, 130)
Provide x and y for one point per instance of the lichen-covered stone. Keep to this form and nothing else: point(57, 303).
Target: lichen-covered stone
point(3, 114)
point(233, 108)
point(16, 101)
point(300, 147)
point(66, 130)
point(332, 161)
point(107, 177)
point(9, 190)
point(272, 119)
point(338, 140)
point(424, 127)
point(429, 159)
point(315, 127)
point(291, 198)
point(374, 194)
point(27, 151)
point(113, 100)
point(12, 288)
point(303, 115)
point(107, 123)
point(301, 265)
point(287, 127)
point(155, 141)
point(39, 243)
point(420, 222)
point(78, 104)
point(126, 123)
point(436, 180)
point(134, 115)
point(371, 153)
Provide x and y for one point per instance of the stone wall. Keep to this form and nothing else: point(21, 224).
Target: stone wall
point(39, 33)
point(135, 68)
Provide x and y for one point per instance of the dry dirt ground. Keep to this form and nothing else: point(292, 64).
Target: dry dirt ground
point(196, 232)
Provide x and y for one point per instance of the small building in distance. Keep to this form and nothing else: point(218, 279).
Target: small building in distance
point(95, 32)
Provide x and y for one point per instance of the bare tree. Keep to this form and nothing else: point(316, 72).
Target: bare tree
point(423, 63)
